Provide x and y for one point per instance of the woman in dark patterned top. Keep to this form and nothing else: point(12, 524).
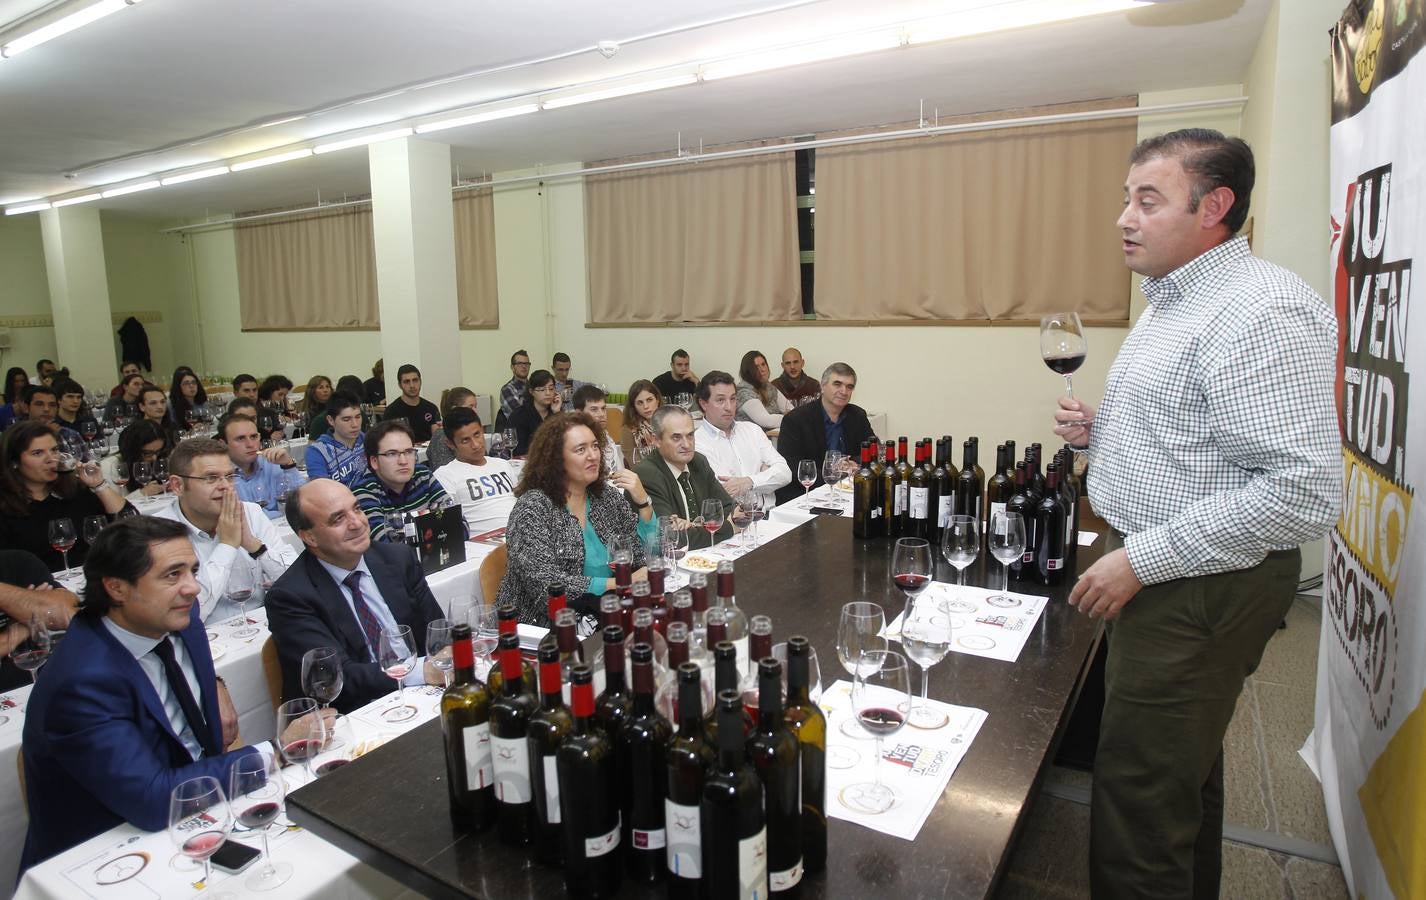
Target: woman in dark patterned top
point(568, 509)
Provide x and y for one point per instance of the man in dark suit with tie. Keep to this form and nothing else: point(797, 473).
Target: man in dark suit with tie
point(342, 592)
point(678, 478)
point(128, 707)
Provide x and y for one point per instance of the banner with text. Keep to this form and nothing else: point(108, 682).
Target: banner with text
point(1370, 739)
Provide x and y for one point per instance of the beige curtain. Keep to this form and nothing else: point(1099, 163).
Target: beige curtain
point(997, 225)
point(476, 293)
point(308, 272)
point(709, 242)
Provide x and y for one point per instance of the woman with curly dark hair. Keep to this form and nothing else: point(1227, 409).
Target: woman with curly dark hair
point(569, 509)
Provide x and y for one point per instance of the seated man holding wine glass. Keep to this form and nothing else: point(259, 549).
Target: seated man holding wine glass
point(344, 591)
point(27, 594)
point(680, 480)
point(239, 549)
point(832, 423)
point(129, 705)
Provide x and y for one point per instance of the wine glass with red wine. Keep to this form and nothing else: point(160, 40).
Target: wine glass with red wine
point(199, 820)
point(712, 518)
point(62, 537)
point(397, 657)
point(1062, 345)
point(881, 691)
point(256, 794)
point(911, 566)
point(301, 731)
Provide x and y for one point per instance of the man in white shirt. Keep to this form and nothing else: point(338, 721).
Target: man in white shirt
point(739, 452)
point(237, 545)
point(485, 486)
point(591, 399)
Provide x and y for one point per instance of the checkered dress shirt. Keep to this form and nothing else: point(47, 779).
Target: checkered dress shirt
point(1217, 441)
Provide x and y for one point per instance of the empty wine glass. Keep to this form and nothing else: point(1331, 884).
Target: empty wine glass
point(199, 820)
point(960, 544)
point(301, 731)
point(511, 441)
point(1062, 345)
point(160, 472)
point(119, 474)
point(861, 628)
point(71, 451)
point(926, 638)
point(814, 670)
point(806, 474)
point(1006, 541)
point(142, 473)
point(397, 658)
point(438, 639)
point(912, 566)
point(881, 691)
point(240, 588)
point(711, 517)
point(91, 527)
point(62, 538)
point(256, 794)
point(672, 539)
point(32, 652)
point(832, 471)
point(322, 679)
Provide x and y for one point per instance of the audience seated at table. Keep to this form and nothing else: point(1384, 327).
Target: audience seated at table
point(15, 408)
point(244, 386)
point(153, 407)
point(419, 414)
point(46, 371)
point(339, 452)
point(565, 386)
point(758, 401)
point(374, 388)
point(541, 402)
point(439, 452)
point(566, 512)
point(33, 492)
point(739, 453)
point(263, 476)
point(643, 399)
point(141, 442)
point(185, 395)
point(396, 483)
point(272, 411)
point(679, 479)
point(70, 410)
point(794, 383)
point(312, 411)
point(679, 379)
point(27, 593)
point(833, 423)
point(342, 591)
point(483, 485)
point(233, 539)
point(512, 392)
point(125, 404)
point(591, 399)
point(128, 706)
point(126, 368)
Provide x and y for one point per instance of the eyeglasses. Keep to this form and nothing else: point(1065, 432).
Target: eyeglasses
point(394, 455)
point(212, 480)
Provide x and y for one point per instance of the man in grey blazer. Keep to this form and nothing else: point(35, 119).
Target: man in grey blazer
point(678, 479)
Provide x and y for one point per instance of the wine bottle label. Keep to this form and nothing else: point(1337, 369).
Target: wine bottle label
point(946, 506)
point(920, 503)
point(684, 839)
point(900, 507)
point(512, 769)
point(1052, 564)
point(479, 770)
point(648, 840)
point(786, 881)
point(1029, 557)
point(752, 866)
point(997, 508)
point(552, 790)
point(603, 844)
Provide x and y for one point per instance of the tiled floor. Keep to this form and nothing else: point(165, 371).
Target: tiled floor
point(1267, 786)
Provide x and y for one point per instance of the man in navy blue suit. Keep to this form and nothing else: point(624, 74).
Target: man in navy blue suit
point(128, 706)
point(343, 592)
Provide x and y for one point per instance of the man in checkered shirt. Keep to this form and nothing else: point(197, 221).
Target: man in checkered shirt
point(1213, 455)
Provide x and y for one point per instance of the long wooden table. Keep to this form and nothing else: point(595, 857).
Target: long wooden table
point(390, 808)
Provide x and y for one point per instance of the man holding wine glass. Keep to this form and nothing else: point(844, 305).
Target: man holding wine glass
point(27, 593)
point(1215, 454)
point(679, 479)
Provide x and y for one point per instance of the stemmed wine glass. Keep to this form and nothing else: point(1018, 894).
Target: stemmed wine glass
point(71, 451)
point(160, 472)
point(62, 538)
point(806, 474)
point(322, 679)
point(911, 566)
point(397, 657)
point(960, 544)
point(1007, 543)
point(741, 517)
point(256, 793)
point(881, 690)
point(120, 476)
point(862, 627)
point(832, 472)
point(926, 638)
point(240, 589)
point(814, 670)
point(91, 527)
point(142, 473)
point(301, 731)
point(32, 652)
point(199, 820)
point(711, 517)
point(1062, 345)
point(438, 638)
point(674, 540)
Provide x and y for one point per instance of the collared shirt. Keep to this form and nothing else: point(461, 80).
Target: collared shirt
point(512, 396)
point(266, 476)
point(1216, 441)
point(745, 453)
point(678, 472)
point(833, 430)
point(422, 492)
point(371, 595)
point(216, 560)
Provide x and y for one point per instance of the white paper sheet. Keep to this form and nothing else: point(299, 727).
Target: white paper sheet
point(984, 622)
point(1087, 538)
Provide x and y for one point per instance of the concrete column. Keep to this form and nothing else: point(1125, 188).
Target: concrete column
point(79, 295)
point(415, 262)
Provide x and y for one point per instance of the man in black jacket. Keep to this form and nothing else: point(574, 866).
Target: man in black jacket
point(833, 423)
point(678, 478)
point(342, 592)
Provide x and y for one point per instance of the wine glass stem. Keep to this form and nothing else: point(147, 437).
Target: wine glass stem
point(876, 763)
point(65, 555)
point(1005, 577)
point(925, 682)
point(207, 871)
point(269, 870)
point(1069, 386)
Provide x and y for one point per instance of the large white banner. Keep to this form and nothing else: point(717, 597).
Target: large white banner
point(1370, 738)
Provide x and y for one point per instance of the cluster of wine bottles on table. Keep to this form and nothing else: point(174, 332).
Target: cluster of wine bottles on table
point(729, 803)
point(897, 494)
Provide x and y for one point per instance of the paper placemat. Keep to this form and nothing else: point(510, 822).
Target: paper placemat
point(983, 622)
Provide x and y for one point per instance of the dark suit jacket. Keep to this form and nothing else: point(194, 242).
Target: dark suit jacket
point(99, 749)
point(664, 491)
point(306, 609)
point(803, 435)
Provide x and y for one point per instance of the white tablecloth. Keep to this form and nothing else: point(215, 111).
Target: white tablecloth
point(796, 511)
point(13, 820)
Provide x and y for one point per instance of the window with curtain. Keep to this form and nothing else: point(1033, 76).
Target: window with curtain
point(317, 271)
point(708, 242)
point(1001, 225)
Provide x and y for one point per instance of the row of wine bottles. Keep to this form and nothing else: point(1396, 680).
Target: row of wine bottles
point(728, 805)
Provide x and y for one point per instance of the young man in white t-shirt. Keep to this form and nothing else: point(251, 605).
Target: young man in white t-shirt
point(484, 486)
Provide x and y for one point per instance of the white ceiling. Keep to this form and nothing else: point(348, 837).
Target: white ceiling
point(184, 82)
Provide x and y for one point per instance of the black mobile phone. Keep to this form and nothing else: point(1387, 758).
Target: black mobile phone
point(824, 511)
point(233, 857)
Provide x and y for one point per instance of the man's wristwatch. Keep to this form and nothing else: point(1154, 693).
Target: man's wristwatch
point(261, 549)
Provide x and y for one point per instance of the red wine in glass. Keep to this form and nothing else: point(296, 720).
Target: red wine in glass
point(302, 750)
point(712, 527)
point(1065, 364)
point(911, 583)
point(880, 720)
point(203, 844)
point(330, 766)
point(259, 815)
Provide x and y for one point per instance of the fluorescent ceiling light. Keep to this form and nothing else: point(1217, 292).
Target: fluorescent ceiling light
point(270, 160)
point(91, 13)
point(82, 198)
point(476, 118)
point(362, 141)
point(29, 207)
point(1009, 16)
point(832, 48)
point(132, 188)
point(622, 90)
point(194, 176)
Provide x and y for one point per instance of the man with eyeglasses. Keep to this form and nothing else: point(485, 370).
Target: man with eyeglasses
point(228, 535)
point(396, 484)
point(262, 474)
point(512, 392)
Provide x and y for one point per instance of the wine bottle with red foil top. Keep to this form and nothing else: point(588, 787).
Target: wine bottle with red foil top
point(807, 723)
point(889, 491)
point(465, 728)
point(759, 647)
point(1022, 503)
point(903, 474)
point(571, 653)
point(731, 816)
point(1050, 532)
point(510, 714)
point(509, 622)
point(772, 749)
point(689, 758)
point(640, 756)
point(866, 512)
point(658, 576)
point(998, 489)
point(612, 707)
point(549, 726)
point(556, 602)
point(935, 465)
point(589, 808)
point(736, 620)
point(725, 678)
point(918, 494)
